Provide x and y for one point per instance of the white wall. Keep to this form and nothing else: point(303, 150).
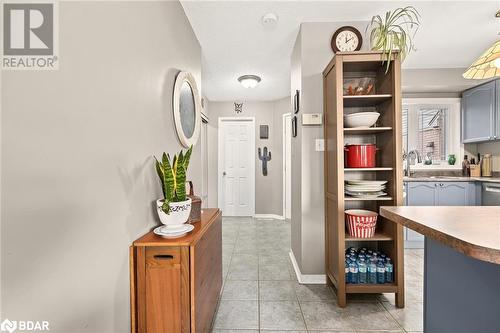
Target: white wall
point(268, 189)
point(78, 177)
point(311, 54)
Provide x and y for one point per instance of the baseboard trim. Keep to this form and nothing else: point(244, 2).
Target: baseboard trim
point(306, 278)
point(269, 216)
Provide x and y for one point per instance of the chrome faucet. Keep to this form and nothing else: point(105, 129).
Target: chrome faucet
point(408, 158)
point(417, 155)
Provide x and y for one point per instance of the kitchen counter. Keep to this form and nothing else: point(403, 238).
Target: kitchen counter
point(451, 179)
point(473, 231)
point(461, 265)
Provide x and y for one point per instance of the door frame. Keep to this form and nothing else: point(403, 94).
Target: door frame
point(284, 116)
point(220, 158)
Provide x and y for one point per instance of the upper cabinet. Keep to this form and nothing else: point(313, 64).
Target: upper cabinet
point(481, 113)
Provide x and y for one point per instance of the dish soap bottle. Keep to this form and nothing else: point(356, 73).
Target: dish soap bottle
point(465, 167)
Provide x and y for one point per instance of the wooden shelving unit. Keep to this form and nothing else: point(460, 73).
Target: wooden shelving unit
point(371, 130)
point(387, 136)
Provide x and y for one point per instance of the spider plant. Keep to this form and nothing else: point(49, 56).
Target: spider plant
point(395, 32)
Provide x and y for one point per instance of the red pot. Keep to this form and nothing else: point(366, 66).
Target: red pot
point(360, 156)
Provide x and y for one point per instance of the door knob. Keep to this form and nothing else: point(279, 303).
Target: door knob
point(224, 173)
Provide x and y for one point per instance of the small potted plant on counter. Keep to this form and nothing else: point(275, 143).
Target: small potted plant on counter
point(175, 207)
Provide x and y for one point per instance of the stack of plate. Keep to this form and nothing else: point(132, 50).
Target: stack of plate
point(365, 189)
point(173, 231)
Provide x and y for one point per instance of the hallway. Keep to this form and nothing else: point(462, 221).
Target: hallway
point(261, 290)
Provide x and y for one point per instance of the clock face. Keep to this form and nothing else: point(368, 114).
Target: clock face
point(346, 39)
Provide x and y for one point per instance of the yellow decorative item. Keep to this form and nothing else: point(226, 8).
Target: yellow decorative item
point(487, 66)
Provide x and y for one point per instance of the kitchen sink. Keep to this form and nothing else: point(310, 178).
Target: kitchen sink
point(445, 177)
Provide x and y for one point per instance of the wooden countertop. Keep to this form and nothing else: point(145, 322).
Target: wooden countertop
point(207, 217)
point(472, 230)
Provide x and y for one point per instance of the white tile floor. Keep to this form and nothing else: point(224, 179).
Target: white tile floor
point(261, 292)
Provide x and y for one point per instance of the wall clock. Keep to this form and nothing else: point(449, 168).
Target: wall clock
point(346, 39)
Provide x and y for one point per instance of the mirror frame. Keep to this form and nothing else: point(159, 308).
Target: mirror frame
point(179, 81)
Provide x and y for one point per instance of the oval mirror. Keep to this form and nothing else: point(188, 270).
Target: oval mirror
point(187, 112)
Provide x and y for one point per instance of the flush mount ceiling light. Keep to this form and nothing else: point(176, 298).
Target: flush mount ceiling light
point(487, 65)
point(249, 81)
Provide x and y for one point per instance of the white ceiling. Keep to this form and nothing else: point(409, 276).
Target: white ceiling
point(235, 43)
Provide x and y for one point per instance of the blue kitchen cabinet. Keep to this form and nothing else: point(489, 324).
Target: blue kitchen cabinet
point(480, 113)
point(452, 194)
point(422, 194)
point(437, 194)
point(418, 194)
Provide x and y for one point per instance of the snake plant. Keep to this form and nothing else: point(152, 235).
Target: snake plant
point(172, 174)
point(394, 33)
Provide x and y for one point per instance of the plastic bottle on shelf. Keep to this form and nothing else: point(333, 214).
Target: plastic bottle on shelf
point(389, 271)
point(353, 273)
point(347, 277)
point(362, 271)
point(380, 271)
point(372, 271)
point(383, 257)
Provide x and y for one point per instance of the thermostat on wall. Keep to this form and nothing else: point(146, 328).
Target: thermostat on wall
point(312, 119)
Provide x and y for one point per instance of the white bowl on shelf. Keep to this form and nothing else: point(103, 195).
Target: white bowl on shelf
point(361, 119)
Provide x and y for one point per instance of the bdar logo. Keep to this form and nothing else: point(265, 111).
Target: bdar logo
point(8, 326)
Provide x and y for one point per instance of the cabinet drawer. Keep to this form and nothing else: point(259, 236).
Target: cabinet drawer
point(160, 256)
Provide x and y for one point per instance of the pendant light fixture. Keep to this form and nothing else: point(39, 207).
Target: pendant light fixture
point(487, 65)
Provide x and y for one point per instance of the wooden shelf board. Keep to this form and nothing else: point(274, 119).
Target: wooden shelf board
point(371, 288)
point(365, 100)
point(377, 237)
point(368, 199)
point(367, 169)
point(370, 130)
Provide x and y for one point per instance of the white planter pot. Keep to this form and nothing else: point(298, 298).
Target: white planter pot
point(179, 212)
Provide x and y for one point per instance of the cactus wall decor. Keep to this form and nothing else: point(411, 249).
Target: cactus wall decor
point(264, 158)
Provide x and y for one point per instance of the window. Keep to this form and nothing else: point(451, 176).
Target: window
point(431, 134)
point(431, 126)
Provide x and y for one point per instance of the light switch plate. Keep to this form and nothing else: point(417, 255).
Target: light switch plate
point(320, 145)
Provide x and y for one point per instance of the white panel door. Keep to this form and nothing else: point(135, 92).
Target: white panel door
point(237, 167)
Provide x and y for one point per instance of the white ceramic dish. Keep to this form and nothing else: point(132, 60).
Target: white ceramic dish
point(366, 182)
point(370, 195)
point(365, 190)
point(361, 119)
point(173, 232)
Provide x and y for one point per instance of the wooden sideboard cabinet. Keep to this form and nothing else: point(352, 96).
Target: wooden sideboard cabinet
point(175, 284)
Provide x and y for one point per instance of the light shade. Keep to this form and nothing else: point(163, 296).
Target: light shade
point(487, 66)
point(249, 81)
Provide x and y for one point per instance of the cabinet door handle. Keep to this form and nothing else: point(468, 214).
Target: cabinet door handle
point(164, 257)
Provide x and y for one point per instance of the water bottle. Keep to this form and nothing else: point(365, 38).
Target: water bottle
point(353, 272)
point(347, 270)
point(389, 269)
point(380, 271)
point(362, 271)
point(372, 271)
point(383, 257)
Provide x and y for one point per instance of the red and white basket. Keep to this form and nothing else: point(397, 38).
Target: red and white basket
point(361, 223)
